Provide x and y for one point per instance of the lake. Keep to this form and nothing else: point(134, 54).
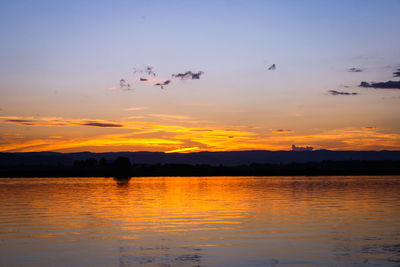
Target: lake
point(200, 221)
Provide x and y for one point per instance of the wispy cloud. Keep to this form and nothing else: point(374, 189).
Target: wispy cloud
point(381, 85)
point(135, 108)
point(111, 88)
point(169, 117)
point(147, 70)
point(101, 124)
point(282, 131)
point(162, 84)
point(20, 121)
point(58, 122)
point(124, 85)
point(334, 92)
point(397, 73)
point(188, 75)
point(135, 117)
point(355, 70)
point(370, 128)
point(175, 138)
point(185, 150)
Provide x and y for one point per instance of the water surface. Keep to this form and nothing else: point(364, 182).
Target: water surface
point(200, 221)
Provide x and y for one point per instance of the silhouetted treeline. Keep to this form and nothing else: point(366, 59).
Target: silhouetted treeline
point(225, 158)
point(122, 167)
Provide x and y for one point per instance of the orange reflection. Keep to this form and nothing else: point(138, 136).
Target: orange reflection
point(288, 217)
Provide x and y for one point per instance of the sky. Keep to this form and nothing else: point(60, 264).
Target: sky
point(65, 67)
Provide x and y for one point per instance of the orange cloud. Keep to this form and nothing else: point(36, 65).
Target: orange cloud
point(282, 131)
point(185, 150)
point(169, 117)
point(29, 121)
point(135, 117)
point(176, 135)
point(135, 108)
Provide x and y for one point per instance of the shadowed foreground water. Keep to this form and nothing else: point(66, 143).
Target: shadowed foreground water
point(200, 221)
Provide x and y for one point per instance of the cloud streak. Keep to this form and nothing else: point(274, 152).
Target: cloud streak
point(282, 131)
point(59, 122)
point(147, 70)
point(167, 116)
point(334, 92)
point(397, 73)
point(355, 70)
point(174, 137)
point(124, 85)
point(188, 75)
point(101, 124)
point(162, 84)
point(370, 128)
point(20, 122)
point(381, 85)
point(135, 108)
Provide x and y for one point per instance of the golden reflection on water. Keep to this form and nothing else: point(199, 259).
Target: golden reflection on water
point(206, 221)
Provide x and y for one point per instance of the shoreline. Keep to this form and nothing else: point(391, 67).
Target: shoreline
point(324, 168)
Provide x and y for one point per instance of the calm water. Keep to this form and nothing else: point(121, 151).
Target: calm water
point(200, 221)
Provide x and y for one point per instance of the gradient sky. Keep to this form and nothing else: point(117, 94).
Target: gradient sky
point(61, 63)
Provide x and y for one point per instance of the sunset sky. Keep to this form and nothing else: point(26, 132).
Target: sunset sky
point(61, 63)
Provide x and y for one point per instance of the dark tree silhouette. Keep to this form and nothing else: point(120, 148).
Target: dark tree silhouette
point(91, 163)
point(103, 162)
point(122, 168)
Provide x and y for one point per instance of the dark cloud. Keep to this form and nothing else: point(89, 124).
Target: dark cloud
point(370, 127)
point(101, 124)
point(163, 84)
point(300, 148)
point(124, 85)
point(272, 67)
point(188, 75)
point(334, 92)
point(282, 131)
point(143, 79)
point(355, 70)
point(147, 70)
point(381, 85)
point(397, 73)
point(62, 122)
point(19, 121)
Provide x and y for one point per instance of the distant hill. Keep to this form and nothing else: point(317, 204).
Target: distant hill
point(230, 158)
